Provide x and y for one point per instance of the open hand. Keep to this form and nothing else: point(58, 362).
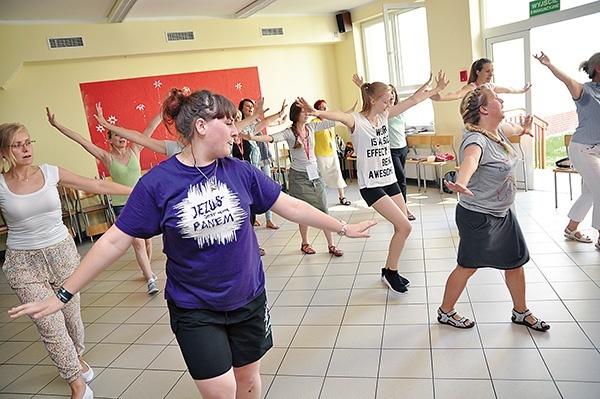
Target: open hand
point(542, 58)
point(359, 230)
point(37, 310)
point(441, 81)
point(458, 188)
point(358, 80)
point(51, 118)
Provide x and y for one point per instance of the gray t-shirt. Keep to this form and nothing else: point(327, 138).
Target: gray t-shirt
point(588, 112)
point(305, 155)
point(173, 147)
point(494, 181)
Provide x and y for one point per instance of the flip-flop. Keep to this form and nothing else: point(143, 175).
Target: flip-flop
point(576, 235)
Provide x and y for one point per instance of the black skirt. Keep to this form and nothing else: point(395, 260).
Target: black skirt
point(490, 241)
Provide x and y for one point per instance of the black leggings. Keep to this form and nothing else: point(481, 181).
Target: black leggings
point(399, 160)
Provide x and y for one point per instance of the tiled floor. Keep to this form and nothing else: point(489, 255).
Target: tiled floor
point(339, 333)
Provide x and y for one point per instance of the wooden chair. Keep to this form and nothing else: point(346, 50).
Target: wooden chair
point(414, 143)
point(439, 142)
point(88, 204)
point(569, 171)
point(517, 140)
point(69, 211)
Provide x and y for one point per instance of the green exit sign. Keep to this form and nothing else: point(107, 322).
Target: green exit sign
point(538, 7)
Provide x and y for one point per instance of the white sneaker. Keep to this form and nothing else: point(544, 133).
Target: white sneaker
point(152, 287)
point(89, 394)
point(88, 375)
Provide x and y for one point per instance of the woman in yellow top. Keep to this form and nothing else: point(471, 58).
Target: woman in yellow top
point(327, 160)
point(122, 162)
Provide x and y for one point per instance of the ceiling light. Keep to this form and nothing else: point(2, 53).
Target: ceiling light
point(253, 7)
point(120, 10)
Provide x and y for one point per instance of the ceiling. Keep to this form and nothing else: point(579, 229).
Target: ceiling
point(97, 11)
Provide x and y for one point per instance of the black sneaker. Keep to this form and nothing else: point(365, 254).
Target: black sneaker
point(403, 279)
point(392, 279)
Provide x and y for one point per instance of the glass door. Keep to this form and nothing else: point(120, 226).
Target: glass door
point(511, 55)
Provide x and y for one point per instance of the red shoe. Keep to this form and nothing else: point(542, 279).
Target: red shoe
point(335, 251)
point(307, 249)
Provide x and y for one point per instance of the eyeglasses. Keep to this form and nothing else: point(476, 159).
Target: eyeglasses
point(19, 145)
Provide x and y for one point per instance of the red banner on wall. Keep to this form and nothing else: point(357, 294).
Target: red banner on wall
point(132, 103)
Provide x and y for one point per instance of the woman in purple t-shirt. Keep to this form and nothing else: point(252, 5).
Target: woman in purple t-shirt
point(200, 201)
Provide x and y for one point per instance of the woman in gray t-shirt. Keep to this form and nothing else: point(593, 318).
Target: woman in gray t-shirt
point(490, 235)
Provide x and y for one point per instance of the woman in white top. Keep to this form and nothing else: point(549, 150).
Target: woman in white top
point(376, 176)
point(482, 72)
point(40, 253)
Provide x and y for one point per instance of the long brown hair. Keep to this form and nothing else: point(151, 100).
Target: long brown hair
point(477, 66)
point(295, 111)
point(470, 112)
point(183, 110)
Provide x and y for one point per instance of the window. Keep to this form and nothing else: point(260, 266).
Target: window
point(404, 60)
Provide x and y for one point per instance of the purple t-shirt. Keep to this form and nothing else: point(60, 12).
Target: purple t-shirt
point(213, 260)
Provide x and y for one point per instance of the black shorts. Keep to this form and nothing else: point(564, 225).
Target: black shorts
point(372, 195)
point(212, 342)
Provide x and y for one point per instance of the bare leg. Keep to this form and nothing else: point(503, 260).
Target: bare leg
point(393, 209)
point(148, 243)
point(515, 281)
point(303, 233)
point(220, 387)
point(248, 381)
point(455, 285)
point(77, 388)
point(141, 254)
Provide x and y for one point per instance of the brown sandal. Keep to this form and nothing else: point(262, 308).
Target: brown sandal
point(335, 251)
point(307, 249)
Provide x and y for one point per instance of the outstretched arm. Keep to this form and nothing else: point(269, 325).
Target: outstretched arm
point(99, 153)
point(132, 135)
point(453, 95)
point(110, 247)
point(268, 120)
point(468, 166)
point(518, 129)
point(510, 90)
point(332, 115)
point(420, 95)
point(575, 88)
point(98, 186)
point(298, 211)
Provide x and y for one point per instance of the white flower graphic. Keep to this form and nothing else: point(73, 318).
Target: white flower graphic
point(238, 86)
point(210, 217)
point(100, 128)
point(140, 107)
point(112, 119)
point(157, 84)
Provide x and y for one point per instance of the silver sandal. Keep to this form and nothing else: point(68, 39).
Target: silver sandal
point(519, 318)
point(448, 318)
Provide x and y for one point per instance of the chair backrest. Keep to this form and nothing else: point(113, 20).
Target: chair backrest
point(568, 138)
point(416, 141)
point(517, 140)
point(445, 140)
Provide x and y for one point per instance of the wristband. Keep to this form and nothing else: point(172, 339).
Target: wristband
point(63, 295)
point(342, 231)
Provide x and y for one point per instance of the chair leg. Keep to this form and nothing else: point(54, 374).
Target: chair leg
point(555, 192)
